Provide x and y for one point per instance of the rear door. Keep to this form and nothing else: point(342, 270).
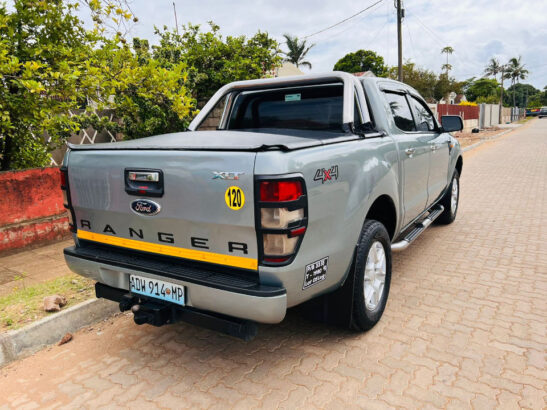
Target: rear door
point(205, 212)
point(438, 145)
point(414, 149)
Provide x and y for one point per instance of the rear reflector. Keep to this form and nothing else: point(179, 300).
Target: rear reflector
point(278, 191)
point(298, 232)
point(276, 260)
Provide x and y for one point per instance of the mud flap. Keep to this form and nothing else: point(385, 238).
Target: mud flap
point(335, 308)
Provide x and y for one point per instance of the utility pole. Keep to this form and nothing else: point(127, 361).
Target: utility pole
point(400, 15)
point(176, 22)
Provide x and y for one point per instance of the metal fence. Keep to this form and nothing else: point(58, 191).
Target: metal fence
point(87, 136)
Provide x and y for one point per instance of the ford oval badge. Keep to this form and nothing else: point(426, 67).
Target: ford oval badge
point(145, 207)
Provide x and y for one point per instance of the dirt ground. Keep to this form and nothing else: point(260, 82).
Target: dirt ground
point(469, 138)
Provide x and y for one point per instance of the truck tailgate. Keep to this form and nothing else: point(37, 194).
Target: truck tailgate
point(194, 220)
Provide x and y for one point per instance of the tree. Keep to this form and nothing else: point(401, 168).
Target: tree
point(362, 60)
point(519, 94)
point(214, 61)
point(493, 69)
point(51, 66)
point(424, 81)
point(516, 72)
point(146, 97)
point(483, 89)
point(297, 51)
point(539, 99)
point(446, 67)
point(444, 86)
point(43, 52)
point(448, 51)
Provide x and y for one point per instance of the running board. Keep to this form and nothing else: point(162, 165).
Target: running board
point(418, 229)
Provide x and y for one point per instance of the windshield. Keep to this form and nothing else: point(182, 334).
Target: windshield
point(317, 107)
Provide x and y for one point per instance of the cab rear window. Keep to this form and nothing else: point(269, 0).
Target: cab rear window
point(317, 107)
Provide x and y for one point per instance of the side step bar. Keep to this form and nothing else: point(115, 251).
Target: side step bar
point(418, 229)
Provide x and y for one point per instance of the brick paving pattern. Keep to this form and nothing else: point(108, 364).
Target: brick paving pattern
point(465, 325)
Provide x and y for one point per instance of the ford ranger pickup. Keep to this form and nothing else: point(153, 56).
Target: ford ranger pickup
point(282, 191)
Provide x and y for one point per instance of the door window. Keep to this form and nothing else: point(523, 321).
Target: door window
point(400, 111)
point(423, 116)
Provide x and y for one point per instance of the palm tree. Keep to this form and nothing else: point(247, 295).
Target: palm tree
point(447, 67)
point(297, 51)
point(494, 68)
point(515, 71)
point(447, 50)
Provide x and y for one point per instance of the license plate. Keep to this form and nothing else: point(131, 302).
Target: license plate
point(158, 289)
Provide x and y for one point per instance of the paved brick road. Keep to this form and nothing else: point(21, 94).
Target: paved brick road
point(465, 325)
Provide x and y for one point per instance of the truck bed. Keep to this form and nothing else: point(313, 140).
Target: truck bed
point(248, 140)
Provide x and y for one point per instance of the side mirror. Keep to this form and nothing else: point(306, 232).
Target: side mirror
point(451, 123)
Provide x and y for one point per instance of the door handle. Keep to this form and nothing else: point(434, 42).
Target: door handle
point(434, 147)
point(409, 151)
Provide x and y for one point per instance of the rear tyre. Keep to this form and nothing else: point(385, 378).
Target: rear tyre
point(450, 201)
point(372, 275)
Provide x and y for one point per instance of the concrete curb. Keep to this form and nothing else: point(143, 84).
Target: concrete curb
point(476, 144)
point(19, 343)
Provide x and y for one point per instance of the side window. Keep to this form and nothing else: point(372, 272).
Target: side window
point(424, 118)
point(401, 111)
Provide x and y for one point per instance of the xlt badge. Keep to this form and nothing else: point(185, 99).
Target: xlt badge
point(145, 207)
point(229, 176)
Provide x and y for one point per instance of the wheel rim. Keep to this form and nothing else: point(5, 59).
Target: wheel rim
point(454, 196)
point(375, 275)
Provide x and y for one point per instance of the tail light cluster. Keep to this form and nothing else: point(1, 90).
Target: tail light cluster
point(66, 198)
point(281, 218)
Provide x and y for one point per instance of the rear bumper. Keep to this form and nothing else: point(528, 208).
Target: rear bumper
point(204, 290)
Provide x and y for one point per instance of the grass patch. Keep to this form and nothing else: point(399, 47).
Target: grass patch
point(27, 305)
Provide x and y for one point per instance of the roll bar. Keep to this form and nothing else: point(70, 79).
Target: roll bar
point(350, 82)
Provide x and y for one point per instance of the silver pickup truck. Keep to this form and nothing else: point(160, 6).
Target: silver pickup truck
point(282, 191)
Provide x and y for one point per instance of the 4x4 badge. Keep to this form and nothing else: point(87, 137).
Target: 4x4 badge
point(325, 175)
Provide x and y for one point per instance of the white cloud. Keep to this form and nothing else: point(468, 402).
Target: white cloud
point(476, 29)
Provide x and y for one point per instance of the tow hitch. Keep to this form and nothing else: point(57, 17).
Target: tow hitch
point(159, 314)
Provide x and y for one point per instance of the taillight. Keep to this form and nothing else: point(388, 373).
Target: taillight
point(282, 211)
point(277, 191)
point(66, 198)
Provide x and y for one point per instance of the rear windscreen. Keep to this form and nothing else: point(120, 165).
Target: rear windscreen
point(317, 107)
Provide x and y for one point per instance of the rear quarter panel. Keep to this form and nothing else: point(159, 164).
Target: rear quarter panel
point(367, 168)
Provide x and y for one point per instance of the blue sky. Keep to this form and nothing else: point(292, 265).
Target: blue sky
point(476, 29)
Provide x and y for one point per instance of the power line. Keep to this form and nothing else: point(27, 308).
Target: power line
point(343, 21)
point(432, 34)
point(411, 41)
point(351, 26)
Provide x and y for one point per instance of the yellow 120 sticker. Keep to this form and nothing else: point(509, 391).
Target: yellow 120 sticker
point(235, 198)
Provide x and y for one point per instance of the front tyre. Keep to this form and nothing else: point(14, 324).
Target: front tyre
point(372, 275)
point(450, 201)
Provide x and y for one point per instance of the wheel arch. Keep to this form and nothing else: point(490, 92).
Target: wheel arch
point(383, 210)
point(459, 165)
